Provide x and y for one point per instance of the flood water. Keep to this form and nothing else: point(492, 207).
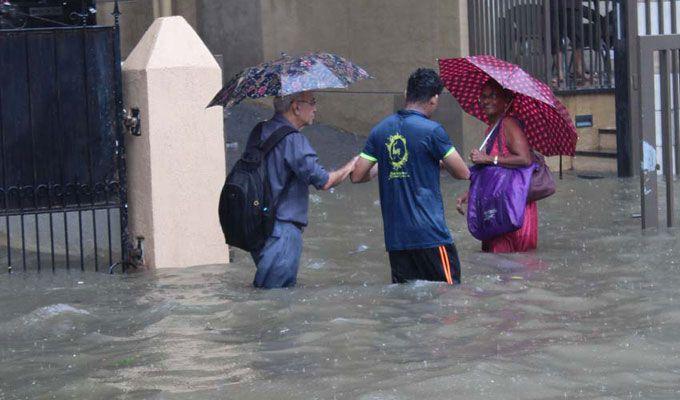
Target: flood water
point(592, 314)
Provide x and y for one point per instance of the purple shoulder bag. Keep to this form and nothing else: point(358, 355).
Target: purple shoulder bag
point(497, 198)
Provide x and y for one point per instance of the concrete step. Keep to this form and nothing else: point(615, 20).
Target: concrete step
point(607, 138)
point(595, 161)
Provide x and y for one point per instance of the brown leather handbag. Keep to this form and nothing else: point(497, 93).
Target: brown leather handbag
point(542, 181)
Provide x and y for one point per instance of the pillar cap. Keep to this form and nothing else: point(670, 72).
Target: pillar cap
point(170, 42)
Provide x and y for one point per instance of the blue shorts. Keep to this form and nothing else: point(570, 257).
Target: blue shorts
point(277, 262)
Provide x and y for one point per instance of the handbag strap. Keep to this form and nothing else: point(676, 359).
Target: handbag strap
point(493, 137)
point(489, 135)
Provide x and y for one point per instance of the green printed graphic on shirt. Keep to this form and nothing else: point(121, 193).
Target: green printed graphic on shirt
point(407, 147)
point(398, 155)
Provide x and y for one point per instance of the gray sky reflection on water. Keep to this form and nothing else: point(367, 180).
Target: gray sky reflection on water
point(592, 314)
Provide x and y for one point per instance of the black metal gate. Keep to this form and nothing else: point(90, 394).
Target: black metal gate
point(62, 170)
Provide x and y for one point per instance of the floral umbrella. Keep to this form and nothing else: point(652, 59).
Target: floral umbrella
point(547, 124)
point(287, 75)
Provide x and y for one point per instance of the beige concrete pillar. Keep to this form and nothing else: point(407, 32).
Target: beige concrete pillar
point(176, 168)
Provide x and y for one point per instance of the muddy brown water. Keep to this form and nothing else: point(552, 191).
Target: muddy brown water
point(592, 314)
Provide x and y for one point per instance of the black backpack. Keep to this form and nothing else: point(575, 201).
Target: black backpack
point(247, 208)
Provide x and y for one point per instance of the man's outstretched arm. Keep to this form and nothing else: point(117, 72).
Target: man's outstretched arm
point(364, 170)
point(454, 165)
point(336, 177)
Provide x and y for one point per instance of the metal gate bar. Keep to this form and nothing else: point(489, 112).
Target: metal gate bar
point(62, 149)
point(120, 147)
point(665, 46)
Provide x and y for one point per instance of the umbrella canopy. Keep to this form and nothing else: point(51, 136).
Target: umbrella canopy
point(288, 75)
point(547, 124)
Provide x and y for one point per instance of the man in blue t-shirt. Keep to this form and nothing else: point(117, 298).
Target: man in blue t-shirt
point(409, 150)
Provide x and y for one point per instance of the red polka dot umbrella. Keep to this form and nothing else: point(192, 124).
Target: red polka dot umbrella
point(547, 124)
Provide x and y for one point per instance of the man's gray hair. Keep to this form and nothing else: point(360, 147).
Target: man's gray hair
point(283, 104)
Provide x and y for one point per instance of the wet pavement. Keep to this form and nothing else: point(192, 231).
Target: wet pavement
point(592, 314)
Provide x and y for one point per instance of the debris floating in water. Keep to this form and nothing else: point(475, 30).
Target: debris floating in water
point(360, 249)
point(316, 264)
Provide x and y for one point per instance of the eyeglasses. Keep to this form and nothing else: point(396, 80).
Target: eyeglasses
point(311, 102)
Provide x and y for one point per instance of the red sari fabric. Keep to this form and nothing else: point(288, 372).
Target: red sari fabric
point(526, 237)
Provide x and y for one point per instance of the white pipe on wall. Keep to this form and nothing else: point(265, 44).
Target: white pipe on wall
point(162, 8)
point(166, 8)
point(156, 8)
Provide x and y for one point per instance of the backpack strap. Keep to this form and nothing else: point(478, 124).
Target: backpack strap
point(266, 146)
point(257, 149)
point(273, 139)
point(254, 137)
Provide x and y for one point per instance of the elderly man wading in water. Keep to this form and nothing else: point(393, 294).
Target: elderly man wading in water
point(292, 166)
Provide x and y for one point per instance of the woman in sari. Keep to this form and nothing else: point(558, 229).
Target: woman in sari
point(507, 147)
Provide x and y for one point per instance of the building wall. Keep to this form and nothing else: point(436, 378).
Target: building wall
point(137, 15)
point(233, 29)
point(601, 106)
point(389, 38)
